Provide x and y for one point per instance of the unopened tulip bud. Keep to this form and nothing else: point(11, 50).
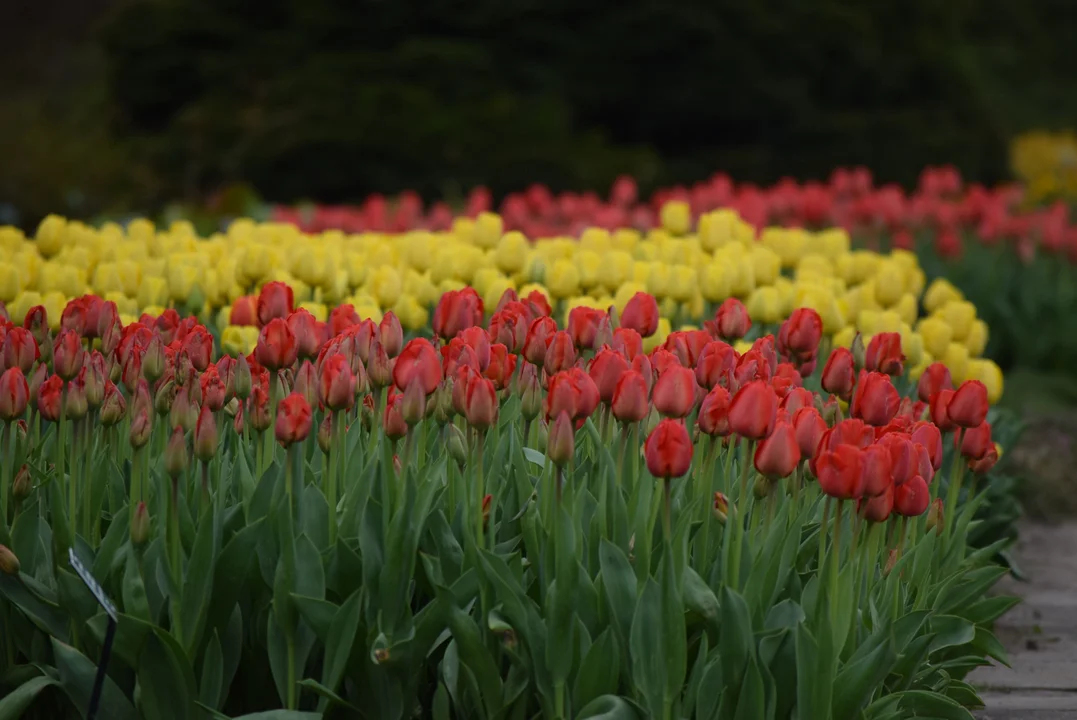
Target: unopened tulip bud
point(764, 486)
point(481, 404)
point(306, 383)
point(379, 366)
point(205, 435)
point(325, 434)
point(260, 418)
point(110, 339)
point(237, 417)
point(95, 380)
point(859, 352)
point(9, 564)
point(153, 362)
point(37, 379)
point(14, 394)
point(935, 517)
point(141, 427)
point(241, 378)
point(362, 382)
point(604, 333)
point(561, 441)
point(392, 335)
point(413, 407)
point(140, 525)
point(721, 507)
point(542, 434)
point(75, 405)
point(456, 444)
point(68, 355)
point(176, 459)
point(165, 397)
point(21, 486)
point(531, 398)
point(184, 413)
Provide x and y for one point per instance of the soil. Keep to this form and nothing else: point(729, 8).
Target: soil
point(1040, 634)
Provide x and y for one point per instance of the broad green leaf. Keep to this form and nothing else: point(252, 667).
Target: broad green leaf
point(856, 682)
point(950, 631)
point(209, 689)
point(699, 598)
point(736, 642)
point(76, 674)
point(607, 707)
point(931, 704)
point(46, 615)
point(338, 646)
point(166, 679)
point(751, 703)
point(619, 582)
point(599, 670)
point(133, 589)
point(477, 658)
point(648, 662)
point(198, 582)
point(318, 613)
point(15, 703)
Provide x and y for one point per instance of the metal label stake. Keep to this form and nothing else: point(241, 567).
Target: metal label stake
point(110, 631)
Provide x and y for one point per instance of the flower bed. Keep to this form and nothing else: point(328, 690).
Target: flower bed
point(464, 475)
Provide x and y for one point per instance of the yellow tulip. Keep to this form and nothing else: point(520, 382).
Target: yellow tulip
point(789, 244)
point(867, 321)
point(844, 337)
point(956, 358)
point(889, 321)
point(51, 235)
point(823, 302)
point(915, 281)
point(889, 283)
point(124, 305)
point(743, 278)
point(487, 230)
point(682, 281)
point(413, 315)
point(716, 228)
point(236, 340)
point(463, 228)
point(658, 280)
point(765, 305)
point(369, 311)
point(832, 242)
point(646, 251)
point(614, 270)
point(511, 253)
point(865, 265)
point(716, 281)
point(742, 346)
point(419, 287)
point(676, 217)
point(912, 344)
point(976, 340)
point(667, 307)
point(181, 280)
point(596, 240)
point(494, 288)
point(21, 305)
point(937, 335)
point(355, 264)
point(625, 239)
point(659, 337)
point(939, 293)
point(318, 310)
point(907, 308)
point(54, 303)
point(588, 263)
point(418, 250)
point(10, 282)
point(11, 240)
point(990, 374)
point(152, 291)
point(766, 265)
point(959, 315)
point(563, 279)
point(814, 266)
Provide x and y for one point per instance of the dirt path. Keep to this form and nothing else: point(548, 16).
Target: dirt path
point(1040, 634)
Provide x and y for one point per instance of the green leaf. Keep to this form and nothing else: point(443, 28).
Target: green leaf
point(856, 682)
point(166, 679)
point(599, 670)
point(198, 583)
point(699, 598)
point(751, 704)
point(76, 677)
point(674, 638)
point(607, 707)
point(477, 658)
point(932, 704)
point(209, 690)
point(14, 704)
point(648, 662)
point(736, 642)
point(46, 615)
point(338, 646)
point(950, 631)
point(619, 582)
point(328, 697)
point(319, 614)
point(230, 573)
point(535, 456)
point(813, 699)
point(133, 590)
point(280, 715)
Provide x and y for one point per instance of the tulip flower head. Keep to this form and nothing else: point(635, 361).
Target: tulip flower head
point(668, 450)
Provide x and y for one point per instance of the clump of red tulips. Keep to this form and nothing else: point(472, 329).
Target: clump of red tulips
point(504, 518)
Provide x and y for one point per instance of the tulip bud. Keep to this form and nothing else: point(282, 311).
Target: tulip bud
point(153, 362)
point(9, 564)
point(764, 486)
point(935, 517)
point(237, 416)
point(413, 407)
point(14, 394)
point(393, 419)
point(113, 407)
point(561, 440)
point(456, 444)
point(75, 405)
point(37, 379)
point(165, 397)
point(306, 382)
point(481, 403)
point(859, 352)
point(362, 381)
point(293, 420)
point(531, 392)
point(325, 434)
point(21, 486)
point(205, 435)
point(140, 430)
point(95, 380)
point(110, 339)
point(379, 367)
point(542, 433)
point(392, 335)
point(241, 378)
point(140, 525)
point(176, 459)
point(721, 507)
point(68, 355)
point(259, 409)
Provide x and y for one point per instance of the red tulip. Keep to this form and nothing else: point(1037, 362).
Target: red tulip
point(606, 370)
point(20, 349)
point(877, 508)
point(538, 303)
point(539, 336)
point(968, 407)
point(668, 450)
point(37, 322)
point(778, 454)
point(583, 326)
point(213, 389)
point(940, 410)
point(976, 442)
point(276, 347)
point(393, 421)
point(884, 354)
point(293, 419)
point(259, 408)
point(628, 342)
point(413, 407)
point(561, 353)
point(308, 340)
point(141, 427)
point(876, 468)
point(986, 462)
point(912, 498)
point(809, 426)
point(336, 383)
point(571, 391)
point(205, 435)
point(675, 392)
point(48, 398)
point(502, 366)
point(67, 355)
point(663, 359)
point(175, 454)
point(477, 339)
point(275, 301)
point(199, 346)
point(641, 314)
point(936, 377)
point(379, 367)
point(418, 359)
point(113, 407)
point(876, 400)
point(481, 404)
point(801, 333)
point(732, 320)
point(392, 335)
point(14, 394)
point(306, 382)
point(341, 318)
point(561, 440)
point(509, 327)
point(796, 398)
point(903, 463)
point(244, 311)
point(928, 435)
point(456, 311)
point(715, 364)
point(839, 373)
point(839, 472)
point(754, 410)
point(629, 402)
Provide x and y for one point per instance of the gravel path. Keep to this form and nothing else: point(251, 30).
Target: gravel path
point(1040, 634)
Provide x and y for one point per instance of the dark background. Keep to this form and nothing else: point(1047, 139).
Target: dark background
point(116, 105)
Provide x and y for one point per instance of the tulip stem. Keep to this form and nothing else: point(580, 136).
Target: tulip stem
point(666, 511)
point(480, 486)
point(9, 458)
point(175, 559)
point(822, 534)
point(953, 492)
point(835, 561)
point(742, 502)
